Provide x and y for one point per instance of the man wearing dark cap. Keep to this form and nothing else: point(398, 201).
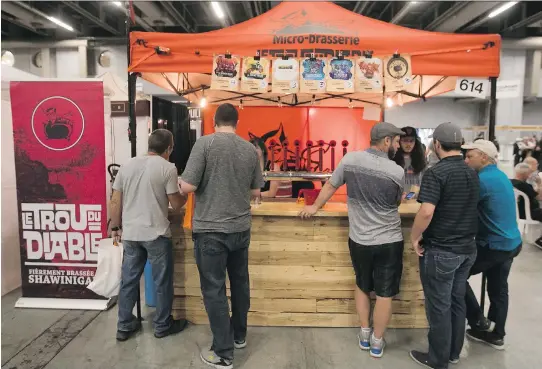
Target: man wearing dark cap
point(447, 221)
point(375, 187)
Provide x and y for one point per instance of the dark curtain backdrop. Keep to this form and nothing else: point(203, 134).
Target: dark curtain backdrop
point(174, 117)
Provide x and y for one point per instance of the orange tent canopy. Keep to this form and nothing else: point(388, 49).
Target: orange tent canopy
point(183, 62)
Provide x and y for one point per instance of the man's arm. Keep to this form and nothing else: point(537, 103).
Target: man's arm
point(115, 209)
point(176, 199)
point(429, 197)
point(422, 220)
point(329, 188)
point(195, 167)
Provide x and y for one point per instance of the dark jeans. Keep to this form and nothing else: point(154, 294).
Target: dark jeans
point(496, 265)
point(215, 253)
point(444, 278)
point(160, 254)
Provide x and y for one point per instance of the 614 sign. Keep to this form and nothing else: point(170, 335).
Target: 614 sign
point(475, 87)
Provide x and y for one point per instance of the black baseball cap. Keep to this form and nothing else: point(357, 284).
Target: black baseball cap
point(410, 132)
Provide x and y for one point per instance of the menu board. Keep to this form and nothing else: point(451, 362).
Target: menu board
point(285, 76)
point(255, 74)
point(397, 72)
point(313, 75)
point(225, 74)
point(340, 76)
point(369, 75)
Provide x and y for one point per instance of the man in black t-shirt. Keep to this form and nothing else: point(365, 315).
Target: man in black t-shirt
point(448, 220)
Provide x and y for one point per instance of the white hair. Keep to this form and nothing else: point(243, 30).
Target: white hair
point(523, 168)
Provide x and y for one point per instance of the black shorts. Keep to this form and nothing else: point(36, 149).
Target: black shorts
point(378, 268)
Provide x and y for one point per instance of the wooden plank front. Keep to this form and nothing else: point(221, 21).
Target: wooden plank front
point(300, 275)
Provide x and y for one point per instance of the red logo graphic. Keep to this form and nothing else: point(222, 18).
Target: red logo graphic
point(58, 123)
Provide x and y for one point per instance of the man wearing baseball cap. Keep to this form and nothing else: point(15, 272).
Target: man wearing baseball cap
point(447, 220)
point(375, 187)
point(498, 242)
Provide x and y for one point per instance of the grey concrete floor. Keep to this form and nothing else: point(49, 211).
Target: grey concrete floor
point(80, 340)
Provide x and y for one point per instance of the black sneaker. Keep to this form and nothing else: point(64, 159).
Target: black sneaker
point(210, 358)
point(240, 344)
point(176, 327)
point(488, 338)
point(124, 335)
point(484, 325)
point(421, 358)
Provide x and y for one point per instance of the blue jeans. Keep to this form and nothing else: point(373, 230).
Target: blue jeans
point(215, 253)
point(160, 254)
point(444, 279)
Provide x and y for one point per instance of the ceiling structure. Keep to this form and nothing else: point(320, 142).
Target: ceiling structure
point(58, 20)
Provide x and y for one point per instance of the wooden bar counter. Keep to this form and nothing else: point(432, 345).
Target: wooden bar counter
point(300, 270)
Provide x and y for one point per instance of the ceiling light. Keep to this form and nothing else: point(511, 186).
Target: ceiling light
point(203, 102)
point(117, 3)
point(414, 2)
point(389, 102)
point(217, 9)
point(502, 8)
point(60, 23)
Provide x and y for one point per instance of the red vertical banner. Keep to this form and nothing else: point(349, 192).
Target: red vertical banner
point(58, 129)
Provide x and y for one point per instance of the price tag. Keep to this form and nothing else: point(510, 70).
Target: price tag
point(475, 87)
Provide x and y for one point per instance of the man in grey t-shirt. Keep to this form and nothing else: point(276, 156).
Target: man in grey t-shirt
point(143, 189)
point(224, 172)
point(375, 186)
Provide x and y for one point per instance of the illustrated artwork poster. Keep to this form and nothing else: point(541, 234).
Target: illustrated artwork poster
point(369, 75)
point(255, 74)
point(313, 75)
point(340, 75)
point(225, 75)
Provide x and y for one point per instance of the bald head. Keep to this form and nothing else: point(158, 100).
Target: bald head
point(522, 171)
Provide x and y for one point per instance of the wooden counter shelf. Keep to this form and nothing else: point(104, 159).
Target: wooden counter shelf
point(300, 270)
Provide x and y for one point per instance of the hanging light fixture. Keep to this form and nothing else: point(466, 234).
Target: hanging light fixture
point(203, 100)
point(350, 104)
point(389, 102)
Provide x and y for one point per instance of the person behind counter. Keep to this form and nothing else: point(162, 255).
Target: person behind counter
point(272, 189)
point(143, 188)
point(498, 242)
point(375, 188)
point(224, 172)
point(447, 219)
point(411, 157)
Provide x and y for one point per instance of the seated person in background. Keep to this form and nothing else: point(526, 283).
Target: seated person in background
point(411, 158)
point(522, 174)
point(534, 179)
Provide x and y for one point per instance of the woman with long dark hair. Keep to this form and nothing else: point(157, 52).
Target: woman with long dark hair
point(411, 157)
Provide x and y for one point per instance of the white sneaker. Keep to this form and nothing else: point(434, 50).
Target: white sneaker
point(240, 344)
point(364, 338)
point(377, 347)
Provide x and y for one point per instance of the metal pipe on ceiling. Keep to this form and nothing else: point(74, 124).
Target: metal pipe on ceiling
point(174, 13)
point(447, 14)
point(39, 13)
point(402, 13)
point(525, 22)
point(91, 17)
point(360, 7)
